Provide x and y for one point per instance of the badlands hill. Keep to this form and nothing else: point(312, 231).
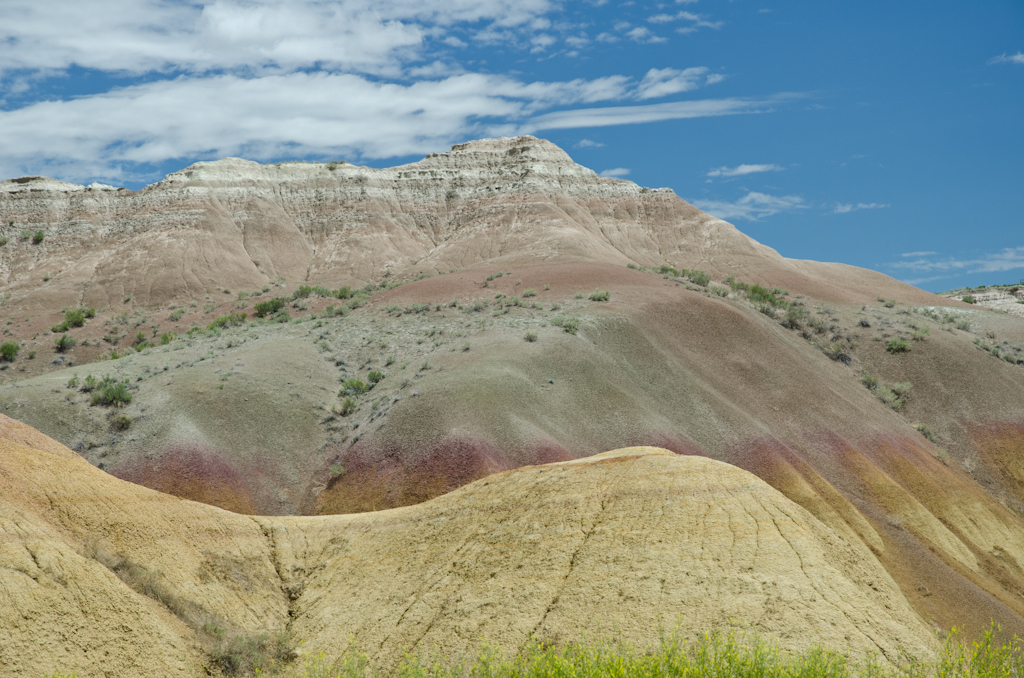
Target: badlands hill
point(892, 416)
point(625, 541)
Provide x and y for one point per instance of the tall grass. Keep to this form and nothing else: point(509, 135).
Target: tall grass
point(714, 655)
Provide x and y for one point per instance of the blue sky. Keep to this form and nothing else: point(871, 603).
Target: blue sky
point(880, 134)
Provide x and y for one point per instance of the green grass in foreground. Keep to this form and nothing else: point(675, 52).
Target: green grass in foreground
point(727, 655)
point(715, 655)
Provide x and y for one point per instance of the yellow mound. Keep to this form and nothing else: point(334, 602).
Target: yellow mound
point(627, 542)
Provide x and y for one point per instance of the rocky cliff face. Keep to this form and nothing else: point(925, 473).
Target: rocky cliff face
point(235, 224)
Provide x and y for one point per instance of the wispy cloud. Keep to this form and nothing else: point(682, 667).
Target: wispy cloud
point(843, 208)
point(1008, 259)
point(661, 82)
point(917, 254)
point(629, 115)
point(616, 172)
point(740, 170)
point(1004, 58)
point(587, 143)
point(697, 20)
point(752, 206)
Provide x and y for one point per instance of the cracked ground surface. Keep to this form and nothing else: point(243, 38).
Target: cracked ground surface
point(629, 542)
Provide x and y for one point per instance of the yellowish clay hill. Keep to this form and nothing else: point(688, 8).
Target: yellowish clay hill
point(106, 578)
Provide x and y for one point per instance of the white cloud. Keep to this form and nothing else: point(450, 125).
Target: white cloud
point(917, 254)
point(615, 173)
point(140, 36)
point(587, 143)
point(110, 135)
point(661, 82)
point(697, 19)
point(740, 170)
point(843, 208)
point(1008, 259)
point(752, 206)
point(1004, 58)
point(629, 115)
point(641, 34)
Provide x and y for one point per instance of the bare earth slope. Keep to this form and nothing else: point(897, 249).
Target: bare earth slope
point(630, 540)
point(481, 373)
point(234, 224)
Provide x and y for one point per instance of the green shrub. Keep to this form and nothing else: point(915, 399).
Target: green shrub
point(530, 337)
point(3, 241)
point(890, 304)
point(964, 325)
point(926, 432)
point(253, 655)
point(175, 316)
point(281, 316)
point(348, 406)
point(229, 320)
point(9, 350)
point(897, 345)
point(303, 291)
point(121, 422)
point(699, 278)
point(111, 392)
point(64, 343)
point(269, 307)
point(167, 337)
point(529, 293)
point(599, 295)
point(374, 376)
point(351, 387)
point(37, 237)
point(967, 298)
point(571, 325)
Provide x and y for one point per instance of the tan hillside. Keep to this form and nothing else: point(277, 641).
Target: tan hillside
point(895, 417)
point(628, 541)
point(235, 225)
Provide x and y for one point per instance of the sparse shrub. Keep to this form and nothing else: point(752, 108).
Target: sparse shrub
point(897, 345)
point(571, 325)
point(229, 320)
point(353, 387)
point(964, 325)
point(348, 406)
point(111, 392)
point(920, 333)
point(253, 655)
point(73, 382)
point(529, 293)
point(37, 237)
point(555, 307)
point(880, 298)
point(890, 304)
point(926, 432)
point(31, 355)
point(530, 337)
point(9, 351)
point(269, 307)
point(4, 241)
point(599, 295)
point(64, 343)
point(112, 338)
point(175, 316)
point(967, 299)
point(121, 422)
point(167, 337)
point(303, 291)
point(864, 322)
point(579, 295)
point(374, 376)
point(281, 316)
point(699, 278)
point(794, 316)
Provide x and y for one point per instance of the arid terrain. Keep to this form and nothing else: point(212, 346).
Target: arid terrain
point(401, 448)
